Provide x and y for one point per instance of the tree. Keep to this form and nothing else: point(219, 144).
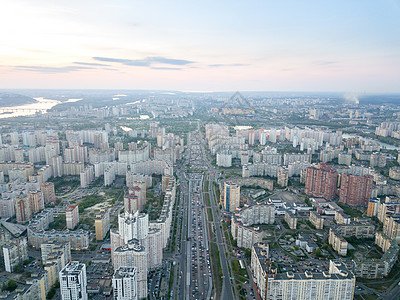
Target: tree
point(11, 285)
point(247, 252)
point(318, 253)
point(51, 293)
point(19, 269)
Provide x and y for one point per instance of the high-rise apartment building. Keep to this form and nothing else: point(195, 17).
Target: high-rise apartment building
point(355, 190)
point(102, 224)
point(72, 216)
point(22, 208)
point(231, 196)
point(73, 282)
point(7, 206)
point(136, 199)
point(155, 248)
point(49, 248)
point(124, 284)
point(252, 137)
point(321, 181)
point(133, 254)
point(48, 191)
point(344, 159)
point(283, 177)
point(36, 201)
point(15, 253)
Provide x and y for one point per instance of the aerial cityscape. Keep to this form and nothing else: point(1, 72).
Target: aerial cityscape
point(200, 150)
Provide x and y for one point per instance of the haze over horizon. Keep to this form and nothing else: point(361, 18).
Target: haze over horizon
point(341, 46)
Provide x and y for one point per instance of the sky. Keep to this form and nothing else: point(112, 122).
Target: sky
point(335, 46)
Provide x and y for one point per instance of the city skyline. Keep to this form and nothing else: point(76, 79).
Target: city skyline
point(224, 46)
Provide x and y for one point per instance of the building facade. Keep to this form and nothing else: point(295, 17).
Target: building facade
point(124, 284)
point(231, 196)
point(72, 216)
point(321, 181)
point(73, 282)
point(355, 190)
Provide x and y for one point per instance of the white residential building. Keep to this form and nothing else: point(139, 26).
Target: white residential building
point(124, 284)
point(73, 282)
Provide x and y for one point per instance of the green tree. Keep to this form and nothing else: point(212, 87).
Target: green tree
point(19, 269)
point(247, 252)
point(51, 293)
point(318, 253)
point(11, 286)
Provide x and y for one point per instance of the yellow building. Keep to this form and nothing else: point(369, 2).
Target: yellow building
point(102, 224)
point(373, 206)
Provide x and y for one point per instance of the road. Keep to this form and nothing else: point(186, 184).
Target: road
point(191, 253)
point(227, 288)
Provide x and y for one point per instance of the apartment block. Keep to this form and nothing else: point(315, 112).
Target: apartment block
point(355, 190)
point(316, 219)
point(321, 181)
point(15, 253)
point(231, 196)
point(72, 216)
point(291, 220)
point(102, 224)
point(124, 283)
point(73, 282)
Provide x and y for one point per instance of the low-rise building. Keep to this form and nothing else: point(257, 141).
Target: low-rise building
point(338, 243)
point(341, 218)
point(372, 268)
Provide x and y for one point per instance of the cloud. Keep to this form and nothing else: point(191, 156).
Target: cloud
point(147, 62)
point(127, 62)
point(41, 69)
point(169, 61)
point(90, 64)
point(165, 68)
point(227, 65)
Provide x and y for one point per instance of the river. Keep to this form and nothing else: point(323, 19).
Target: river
point(383, 145)
point(42, 103)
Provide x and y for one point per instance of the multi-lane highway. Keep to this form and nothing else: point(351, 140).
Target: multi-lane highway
point(195, 278)
point(192, 251)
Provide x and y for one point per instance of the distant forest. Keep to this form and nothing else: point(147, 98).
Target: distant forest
point(7, 99)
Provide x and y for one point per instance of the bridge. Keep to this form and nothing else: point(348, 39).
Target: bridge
point(13, 109)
